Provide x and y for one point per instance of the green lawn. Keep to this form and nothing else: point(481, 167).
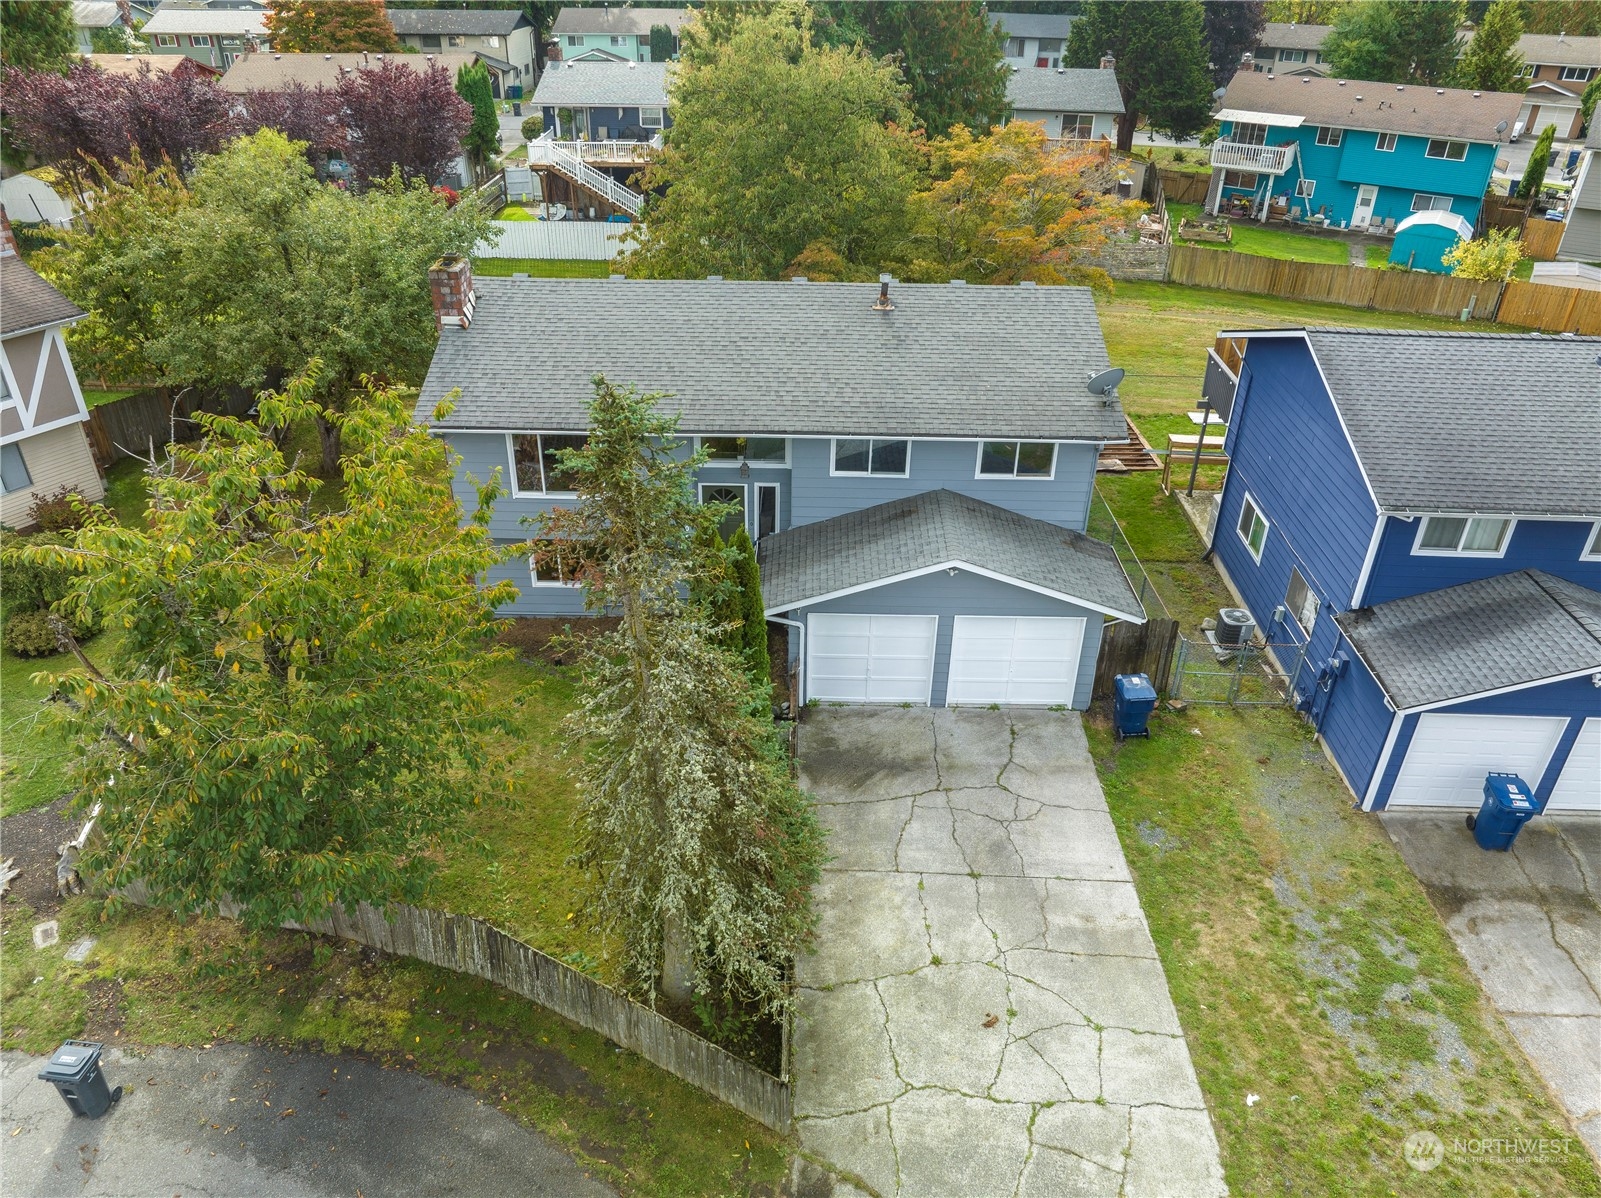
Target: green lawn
point(1196, 161)
point(32, 751)
point(541, 268)
point(93, 397)
point(1378, 256)
point(1266, 241)
point(515, 212)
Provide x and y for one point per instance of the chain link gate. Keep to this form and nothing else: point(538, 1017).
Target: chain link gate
point(1243, 676)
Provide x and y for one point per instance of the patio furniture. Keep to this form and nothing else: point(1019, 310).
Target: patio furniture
point(1387, 227)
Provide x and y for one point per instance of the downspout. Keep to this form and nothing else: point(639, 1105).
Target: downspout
point(800, 654)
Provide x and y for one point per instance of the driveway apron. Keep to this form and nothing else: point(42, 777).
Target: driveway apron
point(985, 1014)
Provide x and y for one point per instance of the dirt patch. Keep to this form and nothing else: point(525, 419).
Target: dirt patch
point(544, 1066)
point(103, 1020)
point(31, 838)
point(533, 636)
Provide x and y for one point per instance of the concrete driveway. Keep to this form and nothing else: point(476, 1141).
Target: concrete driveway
point(241, 1120)
point(1529, 924)
point(985, 1014)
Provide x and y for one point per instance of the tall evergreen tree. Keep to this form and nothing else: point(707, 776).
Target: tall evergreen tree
point(482, 139)
point(329, 26)
point(752, 614)
point(37, 35)
point(661, 43)
point(1396, 41)
point(1233, 27)
point(1160, 48)
point(1539, 161)
point(1491, 62)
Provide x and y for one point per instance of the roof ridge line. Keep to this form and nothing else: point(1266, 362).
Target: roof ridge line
point(1580, 617)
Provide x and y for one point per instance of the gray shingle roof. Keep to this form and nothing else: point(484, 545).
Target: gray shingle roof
point(1283, 35)
point(1423, 111)
point(270, 72)
point(27, 301)
point(1064, 89)
point(1509, 630)
point(1470, 422)
point(1559, 50)
point(782, 359)
point(1033, 24)
point(603, 84)
point(218, 21)
point(619, 19)
point(475, 22)
point(920, 532)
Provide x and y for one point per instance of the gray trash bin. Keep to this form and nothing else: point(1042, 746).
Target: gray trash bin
point(75, 1072)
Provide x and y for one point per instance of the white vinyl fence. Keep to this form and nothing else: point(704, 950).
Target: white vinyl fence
point(596, 241)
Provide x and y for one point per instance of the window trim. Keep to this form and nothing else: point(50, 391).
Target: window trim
point(1418, 549)
point(1014, 476)
point(511, 461)
point(1286, 55)
point(1240, 176)
point(1430, 195)
point(1249, 502)
point(456, 41)
point(200, 41)
point(736, 463)
point(1329, 135)
point(1310, 596)
point(833, 457)
point(661, 116)
point(535, 580)
point(167, 41)
point(1579, 75)
point(1380, 147)
point(1592, 545)
point(1081, 120)
point(1446, 155)
point(1305, 188)
point(27, 474)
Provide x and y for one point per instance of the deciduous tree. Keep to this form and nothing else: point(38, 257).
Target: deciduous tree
point(1233, 28)
point(701, 849)
point(1396, 41)
point(776, 144)
point(482, 139)
point(293, 715)
point(1304, 12)
point(37, 35)
point(329, 26)
point(405, 119)
point(1160, 48)
point(1491, 257)
point(1491, 61)
point(313, 115)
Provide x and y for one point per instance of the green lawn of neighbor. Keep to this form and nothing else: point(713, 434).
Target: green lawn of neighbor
point(1192, 159)
point(541, 268)
point(93, 397)
point(515, 212)
point(1266, 241)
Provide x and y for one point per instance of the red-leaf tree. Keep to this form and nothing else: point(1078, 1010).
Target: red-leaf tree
point(176, 115)
point(405, 118)
point(329, 26)
point(309, 114)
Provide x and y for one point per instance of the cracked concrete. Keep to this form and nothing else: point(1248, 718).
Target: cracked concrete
point(985, 1014)
point(1528, 923)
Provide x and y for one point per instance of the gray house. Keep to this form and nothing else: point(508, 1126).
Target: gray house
point(1581, 240)
point(1075, 103)
point(503, 39)
point(215, 35)
point(1286, 48)
point(1033, 39)
point(916, 474)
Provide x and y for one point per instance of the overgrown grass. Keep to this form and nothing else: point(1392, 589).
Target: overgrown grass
point(93, 396)
point(197, 983)
point(541, 268)
point(1195, 160)
point(1166, 544)
point(1309, 969)
point(1265, 241)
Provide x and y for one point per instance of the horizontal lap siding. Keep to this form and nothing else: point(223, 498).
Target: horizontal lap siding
point(1356, 723)
point(55, 459)
point(1551, 545)
point(939, 594)
point(934, 465)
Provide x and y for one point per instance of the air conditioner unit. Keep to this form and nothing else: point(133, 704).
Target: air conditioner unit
point(1235, 626)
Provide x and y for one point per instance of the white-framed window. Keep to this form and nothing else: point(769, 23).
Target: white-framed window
point(494, 41)
point(1246, 133)
point(1451, 151)
point(534, 468)
point(166, 39)
point(575, 39)
point(1245, 179)
point(1385, 143)
point(1014, 47)
point(14, 474)
point(1424, 202)
point(1252, 527)
point(1078, 125)
point(1577, 74)
point(1304, 188)
point(650, 118)
point(552, 564)
point(1464, 536)
point(1529, 68)
point(1016, 459)
point(1327, 136)
point(1292, 55)
point(455, 40)
point(617, 39)
point(1301, 601)
point(758, 451)
point(872, 455)
point(1592, 547)
point(200, 41)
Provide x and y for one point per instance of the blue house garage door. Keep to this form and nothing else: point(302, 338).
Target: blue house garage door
point(870, 659)
point(1450, 754)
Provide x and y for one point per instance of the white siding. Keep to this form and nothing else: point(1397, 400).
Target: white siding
point(56, 459)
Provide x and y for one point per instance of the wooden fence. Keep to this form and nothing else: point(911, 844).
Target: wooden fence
point(1146, 648)
point(1503, 212)
point(148, 420)
point(471, 946)
point(1184, 187)
point(1356, 286)
point(1541, 238)
point(1551, 309)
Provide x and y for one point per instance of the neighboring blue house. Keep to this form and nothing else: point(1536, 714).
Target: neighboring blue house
point(1428, 525)
point(1360, 154)
point(604, 101)
point(916, 474)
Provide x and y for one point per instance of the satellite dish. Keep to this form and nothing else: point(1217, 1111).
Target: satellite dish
point(1105, 382)
point(1501, 128)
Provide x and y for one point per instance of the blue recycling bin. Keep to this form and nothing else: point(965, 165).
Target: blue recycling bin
point(1133, 699)
point(1508, 805)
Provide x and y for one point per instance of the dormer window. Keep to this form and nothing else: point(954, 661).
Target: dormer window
point(1463, 536)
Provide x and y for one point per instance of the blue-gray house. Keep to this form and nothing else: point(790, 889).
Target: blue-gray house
point(1422, 511)
point(604, 101)
point(1355, 153)
point(916, 472)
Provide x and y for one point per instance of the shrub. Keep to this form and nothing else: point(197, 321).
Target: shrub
point(1491, 257)
point(31, 634)
point(533, 126)
point(31, 588)
point(63, 511)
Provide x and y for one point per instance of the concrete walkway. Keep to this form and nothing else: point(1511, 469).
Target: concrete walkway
point(240, 1120)
point(1529, 924)
point(985, 1014)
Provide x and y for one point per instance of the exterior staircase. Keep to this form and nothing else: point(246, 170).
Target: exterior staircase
point(1136, 455)
point(545, 151)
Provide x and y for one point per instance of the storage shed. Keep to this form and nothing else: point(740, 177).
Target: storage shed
point(1422, 239)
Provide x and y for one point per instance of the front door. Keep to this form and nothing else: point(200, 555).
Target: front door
point(726, 493)
point(1366, 196)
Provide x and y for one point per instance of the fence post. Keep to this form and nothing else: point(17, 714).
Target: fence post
point(1175, 686)
point(1234, 679)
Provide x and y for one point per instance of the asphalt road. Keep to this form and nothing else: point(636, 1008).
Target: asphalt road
point(218, 1124)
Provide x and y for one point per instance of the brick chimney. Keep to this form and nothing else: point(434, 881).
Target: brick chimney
point(450, 280)
point(8, 240)
point(1107, 62)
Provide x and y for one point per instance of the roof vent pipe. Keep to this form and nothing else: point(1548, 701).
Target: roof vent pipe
point(882, 303)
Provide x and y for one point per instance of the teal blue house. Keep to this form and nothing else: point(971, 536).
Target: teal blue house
point(1352, 153)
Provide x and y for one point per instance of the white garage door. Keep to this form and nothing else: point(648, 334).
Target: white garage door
point(1450, 754)
point(1579, 787)
point(1014, 659)
point(870, 659)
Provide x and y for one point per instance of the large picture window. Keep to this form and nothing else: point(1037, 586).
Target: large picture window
point(871, 455)
point(1252, 527)
point(1465, 535)
point(535, 470)
point(1016, 459)
point(1079, 126)
point(771, 451)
